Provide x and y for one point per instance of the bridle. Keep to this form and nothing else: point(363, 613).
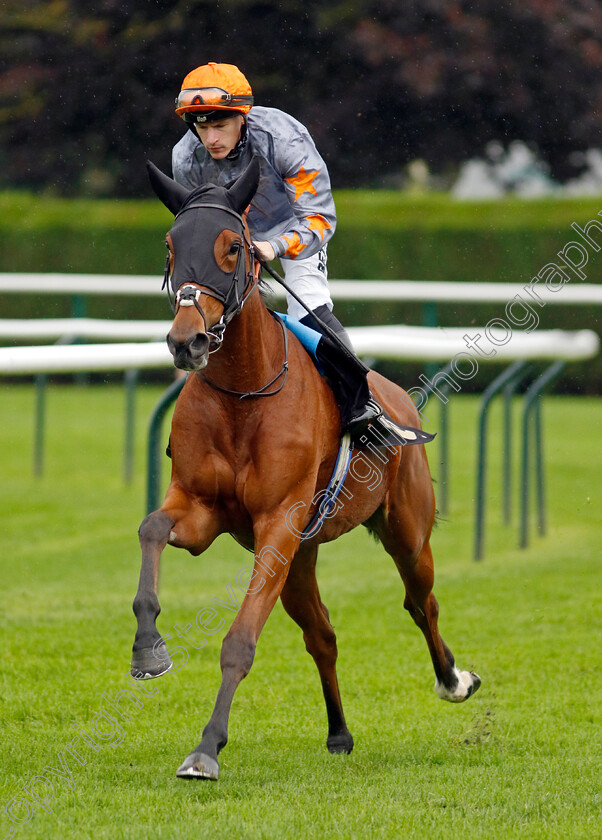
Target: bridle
point(241, 287)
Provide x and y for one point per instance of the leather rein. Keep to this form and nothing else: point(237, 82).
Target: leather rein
point(261, 392)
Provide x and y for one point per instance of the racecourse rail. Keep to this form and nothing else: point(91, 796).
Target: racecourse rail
point(425, 344)
point(433, 344)
point(391, 290)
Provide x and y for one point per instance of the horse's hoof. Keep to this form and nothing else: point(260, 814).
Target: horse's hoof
point(476, 683)
point(467, 683)
point(198, 766)
point(149, 663)
point(342, 743)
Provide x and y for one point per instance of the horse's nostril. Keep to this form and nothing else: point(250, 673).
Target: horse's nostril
point(189, 353)
point(200, 343)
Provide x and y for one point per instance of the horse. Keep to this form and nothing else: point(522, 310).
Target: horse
point(254, 438)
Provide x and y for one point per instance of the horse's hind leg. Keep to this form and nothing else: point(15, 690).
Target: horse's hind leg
point(417, 574)
point(301, 599)
point(404, 526)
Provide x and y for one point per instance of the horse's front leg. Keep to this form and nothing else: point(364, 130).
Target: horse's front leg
point(150, 657)
point(277, 546)
point(185, 525)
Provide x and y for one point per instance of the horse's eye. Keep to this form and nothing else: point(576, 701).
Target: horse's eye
point(234, 248)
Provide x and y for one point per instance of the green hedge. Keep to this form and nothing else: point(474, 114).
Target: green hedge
point(380, 235)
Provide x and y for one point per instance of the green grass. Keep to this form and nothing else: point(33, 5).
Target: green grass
point(519, 760)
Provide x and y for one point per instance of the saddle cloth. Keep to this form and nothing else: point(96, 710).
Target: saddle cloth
point(386, 432)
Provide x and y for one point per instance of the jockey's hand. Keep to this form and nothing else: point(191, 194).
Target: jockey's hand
point(264, 251)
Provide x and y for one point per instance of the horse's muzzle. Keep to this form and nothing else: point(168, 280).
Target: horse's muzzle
point(191, 354)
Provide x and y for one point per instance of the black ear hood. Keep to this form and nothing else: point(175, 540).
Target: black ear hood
point(202, 214)
point(172, 194)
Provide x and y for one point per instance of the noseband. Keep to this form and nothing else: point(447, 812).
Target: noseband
point(188, 295)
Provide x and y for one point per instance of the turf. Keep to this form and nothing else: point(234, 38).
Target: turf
point(520, 759)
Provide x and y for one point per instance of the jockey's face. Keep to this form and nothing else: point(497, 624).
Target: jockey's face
point(219, 138)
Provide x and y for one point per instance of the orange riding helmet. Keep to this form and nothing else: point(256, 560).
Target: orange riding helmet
point(213, 90)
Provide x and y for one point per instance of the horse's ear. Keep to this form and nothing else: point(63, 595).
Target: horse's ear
point(172, 194)
point(244, 188)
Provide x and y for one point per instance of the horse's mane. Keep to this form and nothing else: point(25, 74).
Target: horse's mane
point(266, 292)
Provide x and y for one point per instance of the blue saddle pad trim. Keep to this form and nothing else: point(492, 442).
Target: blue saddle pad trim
point(309, 338)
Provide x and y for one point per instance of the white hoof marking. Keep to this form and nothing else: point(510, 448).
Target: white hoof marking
point(467, 684)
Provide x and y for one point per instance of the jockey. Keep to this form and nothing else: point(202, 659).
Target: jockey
point(292, 215)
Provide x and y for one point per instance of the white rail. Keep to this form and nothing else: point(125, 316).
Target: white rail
point(45, 329)
point(575, 292)
point(71, 358)
point(441, 344)
point(408, 343)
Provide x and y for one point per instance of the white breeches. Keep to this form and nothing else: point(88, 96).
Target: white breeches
point(309, 279)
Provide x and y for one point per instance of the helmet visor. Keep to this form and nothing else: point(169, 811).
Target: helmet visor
point(198, 99)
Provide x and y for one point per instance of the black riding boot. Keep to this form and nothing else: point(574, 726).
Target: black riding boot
point(346, 374)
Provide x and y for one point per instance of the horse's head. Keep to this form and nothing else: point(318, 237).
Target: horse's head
point(210, 261)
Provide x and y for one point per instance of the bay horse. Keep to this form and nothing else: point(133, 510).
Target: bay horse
point(253, 444)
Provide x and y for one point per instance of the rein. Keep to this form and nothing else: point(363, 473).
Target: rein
point(328, 331)
point(261, 392)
